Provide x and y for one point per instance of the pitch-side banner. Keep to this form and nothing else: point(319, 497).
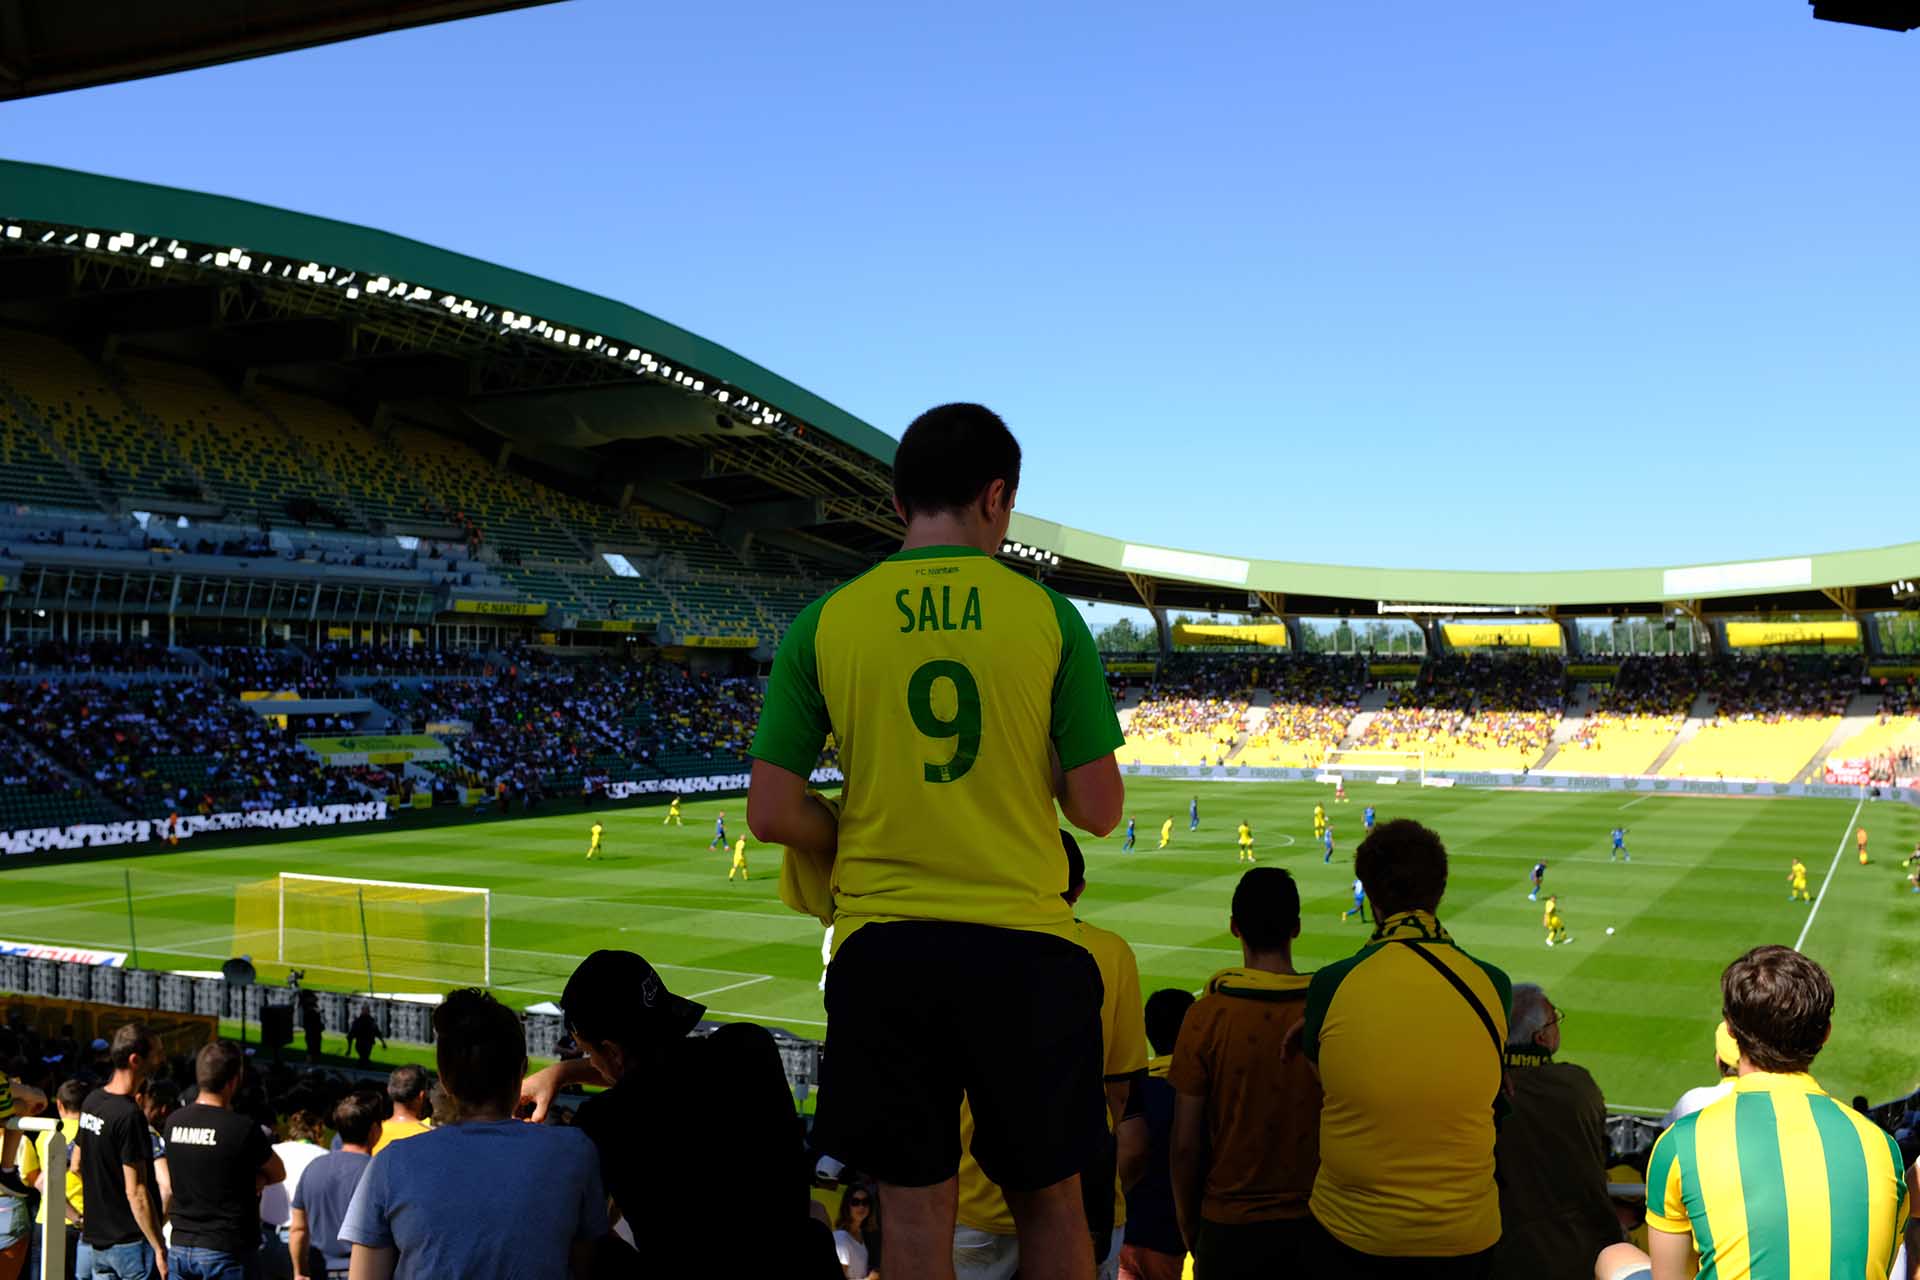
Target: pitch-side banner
point(92, 835)
point(72, 955)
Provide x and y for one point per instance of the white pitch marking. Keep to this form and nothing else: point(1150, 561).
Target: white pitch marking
point(731, 986)
point(1831, 868)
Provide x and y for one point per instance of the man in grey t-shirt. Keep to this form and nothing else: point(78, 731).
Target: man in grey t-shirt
point(321, 1197)
point(431, 1207)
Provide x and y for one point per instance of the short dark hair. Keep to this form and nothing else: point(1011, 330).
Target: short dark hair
point(131, 1039)
point(1166, 1011)
point(355, 1115)
point(480, 1047)
point(72, 1094)
point(949, 454)
point(1076, 860)
point(1403, 867)
point(218, 1065)
point(1266, 907)
point(1779, 1006)
point(407, 1083)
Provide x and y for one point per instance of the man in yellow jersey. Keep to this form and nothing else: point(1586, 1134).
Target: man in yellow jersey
point(1246, 842)
point(1319, 820)
point(739, 860)
point(593, 842)
point(1405, 1185)
point(1246, 1122)
point(966, 699)
point(1860, 836)
point(985, 1246)
point(1776, 1181)
point(673, 813)
point(68, 1099)
point(1166, 833)
point(1550, 921)
point(1797, 882)
point(407, 1090)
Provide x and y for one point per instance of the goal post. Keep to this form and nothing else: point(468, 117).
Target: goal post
point(1374, 764)
point(356, 930)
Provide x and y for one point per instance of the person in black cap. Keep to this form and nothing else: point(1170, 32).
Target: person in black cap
point(697, 1133)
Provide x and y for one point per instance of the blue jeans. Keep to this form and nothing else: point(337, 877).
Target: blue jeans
point(123, 1262)
point(191, 1263)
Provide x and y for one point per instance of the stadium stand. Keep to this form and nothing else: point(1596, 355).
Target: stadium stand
point(1770, 716)
point(1635, 720)
point(1482, 711)
point(1194, 713)
point(267, 470)
point(1314, 701)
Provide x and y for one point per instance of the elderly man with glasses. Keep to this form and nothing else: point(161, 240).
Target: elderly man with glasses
point(1551, 1153)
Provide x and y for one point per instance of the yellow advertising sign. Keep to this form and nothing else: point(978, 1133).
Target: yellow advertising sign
point(1393, 670)
point(262, 695)
point(1493, 635)
point(1593, 671)
point(1131, 668)
point(1755, 635)
point(607, 624)
point(502, 608)
point(1270, 634)
point(720, 642)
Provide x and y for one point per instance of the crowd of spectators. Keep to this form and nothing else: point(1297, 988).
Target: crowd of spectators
point(1779, 688)
point(49, 657)
point(172, 746)
point(1314, 699)
point(1479, 702)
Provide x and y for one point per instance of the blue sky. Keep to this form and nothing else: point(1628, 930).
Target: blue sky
point(1475, 285)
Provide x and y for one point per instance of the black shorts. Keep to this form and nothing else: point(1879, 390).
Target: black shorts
point(921, 1012)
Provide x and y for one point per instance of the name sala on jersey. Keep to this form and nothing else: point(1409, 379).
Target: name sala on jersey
point(938, 616)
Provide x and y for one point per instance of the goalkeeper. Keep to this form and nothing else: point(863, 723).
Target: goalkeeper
point(947, 678)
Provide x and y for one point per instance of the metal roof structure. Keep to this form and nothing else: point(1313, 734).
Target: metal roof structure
point(49, 46)
point(615, 403)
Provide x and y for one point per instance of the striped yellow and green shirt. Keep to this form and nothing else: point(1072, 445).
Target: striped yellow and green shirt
point(1777, 1181)
point(945, 677)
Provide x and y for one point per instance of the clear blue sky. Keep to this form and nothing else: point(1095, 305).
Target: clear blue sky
point(1472, 285)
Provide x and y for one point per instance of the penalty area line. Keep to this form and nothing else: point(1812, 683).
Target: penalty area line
point(731, 986)
point(1831, 868)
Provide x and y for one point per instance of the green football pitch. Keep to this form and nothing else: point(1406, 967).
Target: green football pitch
point(1707, 881)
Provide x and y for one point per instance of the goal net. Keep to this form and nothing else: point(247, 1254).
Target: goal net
point(384, 934)
point(1370, 764)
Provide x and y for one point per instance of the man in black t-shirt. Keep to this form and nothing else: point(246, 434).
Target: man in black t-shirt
point(116, 1167)
point(220, 1160)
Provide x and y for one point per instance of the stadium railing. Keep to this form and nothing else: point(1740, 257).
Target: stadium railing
point(400, 1021)
point(53, 1237)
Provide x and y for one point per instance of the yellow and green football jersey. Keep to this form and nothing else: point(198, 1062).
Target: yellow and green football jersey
point(944, 676)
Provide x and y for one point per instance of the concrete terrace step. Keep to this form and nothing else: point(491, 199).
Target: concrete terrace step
point(1860, 715)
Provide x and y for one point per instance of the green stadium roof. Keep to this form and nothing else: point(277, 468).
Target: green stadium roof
point(1090, 564)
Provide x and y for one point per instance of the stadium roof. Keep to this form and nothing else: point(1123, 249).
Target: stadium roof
point(617, 402)
point(47, 46)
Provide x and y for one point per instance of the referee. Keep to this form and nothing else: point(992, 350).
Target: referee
point(966, 698)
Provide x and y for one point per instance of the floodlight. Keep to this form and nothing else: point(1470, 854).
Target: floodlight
point(93, 239)
point(352, 292)
point(157, 261)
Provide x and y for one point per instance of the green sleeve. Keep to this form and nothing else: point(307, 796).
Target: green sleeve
point(1320, 991)
point(794, 723)
point(1085, 725)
